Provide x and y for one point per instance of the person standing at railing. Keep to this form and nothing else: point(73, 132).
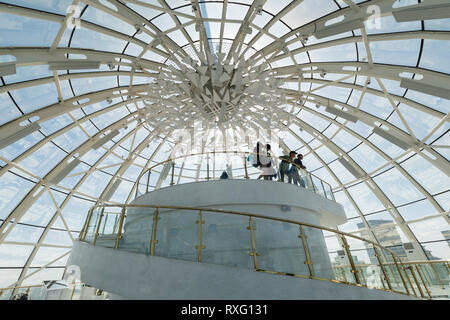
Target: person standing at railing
point(229, 171)
point(284, 166)
point(295, 173)
point(254, 158)
point(268, 172)
point(224, 175)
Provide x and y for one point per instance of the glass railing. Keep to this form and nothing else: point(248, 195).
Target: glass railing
point(210, 166)
point(75, 291)
point(41, 292)
point(260, 243)
point(427, 279)
point(36, 292)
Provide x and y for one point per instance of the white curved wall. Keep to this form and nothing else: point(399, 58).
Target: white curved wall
point(139, 276)
point(225, 236)
point(252, 196)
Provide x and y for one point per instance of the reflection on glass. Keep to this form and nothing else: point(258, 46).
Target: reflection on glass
point(226, 240)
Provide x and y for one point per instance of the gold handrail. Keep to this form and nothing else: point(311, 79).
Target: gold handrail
point(353, 266)
point(236, 213)
point(30, 286)
point(430, 262)
point(22, 287)
point(245, 153)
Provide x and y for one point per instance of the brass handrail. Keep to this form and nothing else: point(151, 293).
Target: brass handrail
point(245, 153)
point(430, 262)
point(30, 286)
point(235, 213)
point(199, 247)
point(22, 287)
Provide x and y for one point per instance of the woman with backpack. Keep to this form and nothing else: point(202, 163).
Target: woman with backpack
point(268, 172)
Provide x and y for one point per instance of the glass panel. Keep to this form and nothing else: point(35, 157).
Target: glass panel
point(92, 226)
point(328, 191)
point(107, 234)
point(417, 286)
point(226, 240)
point(396, 279)
point(318, 185)
point(319, 253)
point(373, 274)
point(390, 270)
point(177, 235)
point(340, 274)
point(437, 277)
point(6, 294)
point(138, 230)
point(306, 177)
point(279, 247)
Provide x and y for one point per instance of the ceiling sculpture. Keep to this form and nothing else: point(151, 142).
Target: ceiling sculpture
point(92, 91)
point(224, 89)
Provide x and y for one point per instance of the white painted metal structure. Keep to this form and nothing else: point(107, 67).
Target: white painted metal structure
point(367, 99)
point(159, 278)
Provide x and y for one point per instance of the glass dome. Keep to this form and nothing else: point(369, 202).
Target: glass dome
point(363, 87)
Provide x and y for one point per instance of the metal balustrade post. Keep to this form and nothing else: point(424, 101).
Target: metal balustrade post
point(86, 225)
point(200, 245)
point(363, 278)
point(115, 223)
point(148, 181)
point(323, 188)
point(350, 258)
point(119, 233)
point(423, 281)
point(214, 165)
point(104, 225)
point(173, 173)
point(73, 291)
point(308, 261)
point(425, 275)
point(400, 273)
point(343, 274)
point(207, 168)
point(332, 193)
point(411, 269)
point(409, 280)
point(98, 226)
point(382, 268)
point(245, 168)
point(153, 242)
point(253, 253)
point(437, 275)
point(314, 189)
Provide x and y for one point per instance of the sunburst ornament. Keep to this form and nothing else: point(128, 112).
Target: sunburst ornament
point(229, 91)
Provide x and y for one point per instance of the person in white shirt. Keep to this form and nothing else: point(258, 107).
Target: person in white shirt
point(267, 164)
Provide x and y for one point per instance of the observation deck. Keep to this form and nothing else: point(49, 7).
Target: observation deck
point(236, 238)
point(231, 239)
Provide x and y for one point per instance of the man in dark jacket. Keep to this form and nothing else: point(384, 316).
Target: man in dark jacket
point(285, 164)
point(295, 170)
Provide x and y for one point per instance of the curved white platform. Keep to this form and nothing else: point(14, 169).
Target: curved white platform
point(139, 276)
point(267, 198)
point(226, 240)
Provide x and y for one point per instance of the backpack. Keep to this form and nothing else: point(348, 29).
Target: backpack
point(258, 163)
